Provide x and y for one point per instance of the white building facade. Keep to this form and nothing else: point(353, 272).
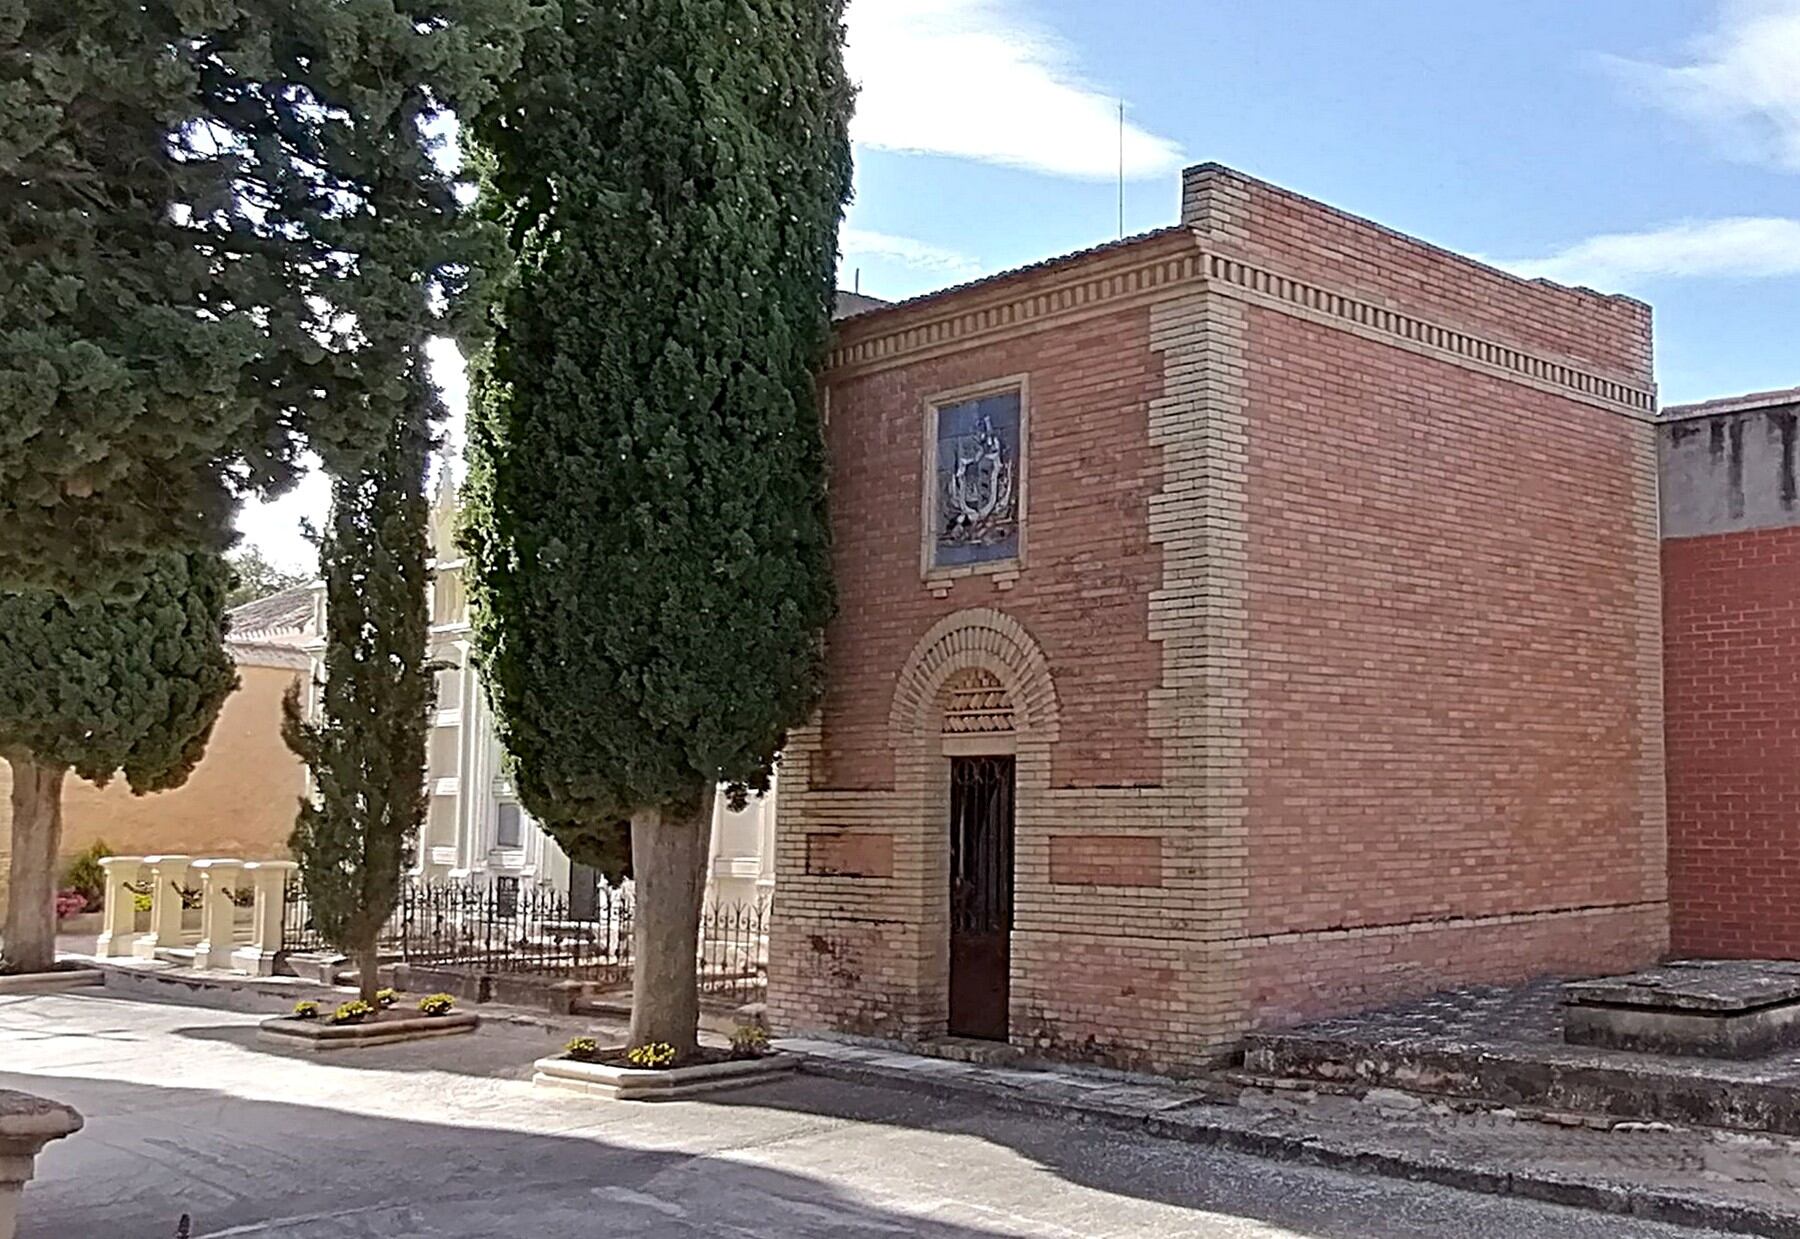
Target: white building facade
point(475, 828)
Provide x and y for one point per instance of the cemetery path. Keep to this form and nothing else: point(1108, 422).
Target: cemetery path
point(188, 1113)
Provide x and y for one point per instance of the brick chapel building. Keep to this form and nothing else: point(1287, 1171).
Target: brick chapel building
point(1249, 621)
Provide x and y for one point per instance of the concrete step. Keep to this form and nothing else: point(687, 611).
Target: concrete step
point(1553, 1078)
point(973, 1050)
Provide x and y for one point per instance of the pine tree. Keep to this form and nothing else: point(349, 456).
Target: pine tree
point(213, 249)
point(366, 751)
point(253, 576)
point(646, 520)
point(99, 686)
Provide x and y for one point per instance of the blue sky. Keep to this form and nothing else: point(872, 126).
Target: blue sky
point(1643, 146)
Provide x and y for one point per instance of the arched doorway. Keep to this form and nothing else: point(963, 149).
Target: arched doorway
point(974, 720)
point(979, 740)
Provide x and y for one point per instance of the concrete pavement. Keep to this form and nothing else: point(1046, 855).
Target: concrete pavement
point(188, 1113)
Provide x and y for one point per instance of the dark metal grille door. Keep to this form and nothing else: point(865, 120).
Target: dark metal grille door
point(981, 894)
point(584, 892)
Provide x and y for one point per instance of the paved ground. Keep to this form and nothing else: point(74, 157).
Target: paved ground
point(188, 1113)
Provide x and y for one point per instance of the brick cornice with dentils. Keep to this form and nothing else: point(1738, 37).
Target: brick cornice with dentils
point(1178, 262)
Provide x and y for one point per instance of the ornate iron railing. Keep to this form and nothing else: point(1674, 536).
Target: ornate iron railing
point(300, 933)
point(504, 926)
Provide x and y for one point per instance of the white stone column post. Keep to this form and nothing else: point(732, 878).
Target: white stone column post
point(269, 878)
point(218, 880)
point(27, 1124)
point(166, 873)
point(118, 916)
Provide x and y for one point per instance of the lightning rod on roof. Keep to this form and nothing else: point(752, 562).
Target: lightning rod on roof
point(1121, 169)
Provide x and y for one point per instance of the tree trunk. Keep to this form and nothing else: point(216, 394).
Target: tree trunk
point(368, 970)
point(668, 866)
point(30, 944)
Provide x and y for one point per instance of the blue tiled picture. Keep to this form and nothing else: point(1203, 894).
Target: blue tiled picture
point(975, 506)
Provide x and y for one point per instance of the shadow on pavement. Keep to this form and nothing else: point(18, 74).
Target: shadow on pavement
point(333, 1171)
point(277, 1170)
point(1300, 1199)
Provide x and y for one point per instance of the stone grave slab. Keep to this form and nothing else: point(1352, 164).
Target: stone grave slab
point(1708, 1008)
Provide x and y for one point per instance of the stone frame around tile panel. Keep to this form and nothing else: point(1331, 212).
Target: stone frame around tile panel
point(931, 573)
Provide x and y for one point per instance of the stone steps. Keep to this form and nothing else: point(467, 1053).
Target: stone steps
point(1549, 1078)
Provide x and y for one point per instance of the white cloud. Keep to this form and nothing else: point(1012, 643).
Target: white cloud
point(908, 252)
point(975, 80)
point(1742, 83)
point(1745, 247)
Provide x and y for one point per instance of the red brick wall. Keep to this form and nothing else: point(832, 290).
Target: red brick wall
point(1448, 698)
point(1731, 622)
point(1312, 241)
point(1090, 566)
point(1106, 860)
point(1308, 976)
point(1400, 727)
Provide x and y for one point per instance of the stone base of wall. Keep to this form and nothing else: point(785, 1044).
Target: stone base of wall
point(1307, 976)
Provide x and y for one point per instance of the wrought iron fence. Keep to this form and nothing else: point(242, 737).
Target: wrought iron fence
point(734, 950)
point(300, 933)
point(504, 926)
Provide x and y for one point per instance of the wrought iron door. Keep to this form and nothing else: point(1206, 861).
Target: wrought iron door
point(981, 894)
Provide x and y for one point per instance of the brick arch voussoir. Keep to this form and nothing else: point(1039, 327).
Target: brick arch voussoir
point(978, 637)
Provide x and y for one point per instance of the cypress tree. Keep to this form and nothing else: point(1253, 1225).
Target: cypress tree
point(366, 749)
point(212, 249)
point(646, 520)
point(99, 686)
point(398, 77)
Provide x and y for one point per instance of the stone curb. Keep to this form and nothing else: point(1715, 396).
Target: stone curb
point(50, 982)
point(319, 1035)
point(634, 1084)
point(1197, 1122)
point(249, 995)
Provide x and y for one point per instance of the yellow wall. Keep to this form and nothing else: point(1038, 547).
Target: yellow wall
point(240, 801)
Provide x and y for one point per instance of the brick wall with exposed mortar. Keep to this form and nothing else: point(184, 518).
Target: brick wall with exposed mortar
point(1454, 732)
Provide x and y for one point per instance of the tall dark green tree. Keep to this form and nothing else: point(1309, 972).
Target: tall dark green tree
point(365, 748)
point(100, 686)
point(211, 247)
point(646, 519)
point(396, 73)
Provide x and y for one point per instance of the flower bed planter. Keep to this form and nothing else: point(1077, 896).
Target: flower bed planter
point(81, 923)
point(611, 1077)
point(70, 976)
point(381, 1029)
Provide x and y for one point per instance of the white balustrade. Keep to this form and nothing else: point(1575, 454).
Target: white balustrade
point(268, 878)
point(219, 879)
point(168, 877)
point(118, 918)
